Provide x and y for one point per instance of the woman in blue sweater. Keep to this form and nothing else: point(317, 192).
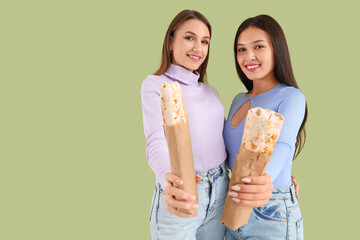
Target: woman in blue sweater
point(263, 65)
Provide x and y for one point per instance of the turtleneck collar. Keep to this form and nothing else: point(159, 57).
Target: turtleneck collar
point(183, 75)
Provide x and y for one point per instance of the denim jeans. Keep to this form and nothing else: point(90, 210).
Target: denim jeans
point(212, 192)
point(280, 218)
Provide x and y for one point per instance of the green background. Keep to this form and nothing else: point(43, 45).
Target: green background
point(72, 154)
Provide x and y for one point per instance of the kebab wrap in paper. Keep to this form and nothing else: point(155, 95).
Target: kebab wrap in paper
point(177, 135)
point(262, 129)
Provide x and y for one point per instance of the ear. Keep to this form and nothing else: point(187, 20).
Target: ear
point(171, 44)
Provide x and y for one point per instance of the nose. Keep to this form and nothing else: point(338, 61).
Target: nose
point(197, 46)
point(250, 55)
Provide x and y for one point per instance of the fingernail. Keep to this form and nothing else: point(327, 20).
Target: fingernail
point(194, 206)
point(191, 197)
point(233, 194)
point(196, 214)
point(180, 181)
point(236, 188)
point(247, 180)
point(236, 200)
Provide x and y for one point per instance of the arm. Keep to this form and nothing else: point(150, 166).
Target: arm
point(258, 190)
point(293, 109)
point(156, 147)
point(157, 151)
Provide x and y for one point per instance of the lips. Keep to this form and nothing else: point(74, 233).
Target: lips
point(252, 67)
point(194, 57)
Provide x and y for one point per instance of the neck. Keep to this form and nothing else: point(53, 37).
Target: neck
point(263, 85)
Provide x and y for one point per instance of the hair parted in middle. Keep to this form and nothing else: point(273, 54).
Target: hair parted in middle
point(283, 69)
point(166, 56)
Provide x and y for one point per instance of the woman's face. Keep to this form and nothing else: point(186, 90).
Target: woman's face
point(255, 54)
point(190, 44)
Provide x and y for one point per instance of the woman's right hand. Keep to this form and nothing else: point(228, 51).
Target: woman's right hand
point(177, 198)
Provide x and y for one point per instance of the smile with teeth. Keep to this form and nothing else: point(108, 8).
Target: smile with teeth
point(194, 57)
point(252, 66)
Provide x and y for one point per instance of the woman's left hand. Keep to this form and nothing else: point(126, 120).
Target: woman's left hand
point(296, 186)
point(255, 191)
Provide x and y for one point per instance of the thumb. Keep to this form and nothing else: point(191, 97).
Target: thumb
point(197, 178)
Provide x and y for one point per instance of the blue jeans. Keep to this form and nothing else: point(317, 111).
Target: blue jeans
point(280, 218)
point(212, 192)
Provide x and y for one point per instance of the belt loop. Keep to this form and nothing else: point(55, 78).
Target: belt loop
point(292, 191)
point(210, 177)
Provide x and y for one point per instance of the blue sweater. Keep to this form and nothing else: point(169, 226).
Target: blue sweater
point(289, 102)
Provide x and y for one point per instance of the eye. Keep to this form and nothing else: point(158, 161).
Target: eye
point(241, 49)
point(259, 46)
point(189, 38)
point(205, 42)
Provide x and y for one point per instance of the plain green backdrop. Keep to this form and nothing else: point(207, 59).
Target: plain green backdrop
point(72, 154)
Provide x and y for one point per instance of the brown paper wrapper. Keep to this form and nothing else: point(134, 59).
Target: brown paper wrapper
point(247, 163)
point(181, 158)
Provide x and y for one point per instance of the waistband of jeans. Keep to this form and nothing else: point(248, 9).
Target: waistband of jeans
point(284, 193)
point(221, 169)
point(218, 171)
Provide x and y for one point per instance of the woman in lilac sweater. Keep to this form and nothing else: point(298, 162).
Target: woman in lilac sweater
point(184, 59)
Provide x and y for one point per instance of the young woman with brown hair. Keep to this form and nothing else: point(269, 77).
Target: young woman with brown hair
point(263, 65)
point(185, 56)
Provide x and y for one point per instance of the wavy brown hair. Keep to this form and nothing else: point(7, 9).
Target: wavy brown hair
point(283, 69)
point(166, 56)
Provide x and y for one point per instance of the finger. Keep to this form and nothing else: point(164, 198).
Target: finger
point(178, 193)
point(295, 183)
point(249, 188)
point(257, 180)
point(179, 214)
point(297, 190)
point(172, 179)
point(250, 203)
point(251, 196)
point(197, 178)
point(293, 177)
point(179, 204)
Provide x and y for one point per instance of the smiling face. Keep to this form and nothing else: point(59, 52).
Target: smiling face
point(190, 44)
point(255, 54)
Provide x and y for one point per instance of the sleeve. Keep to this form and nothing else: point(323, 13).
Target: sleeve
point(292, 107)
point(157, 153)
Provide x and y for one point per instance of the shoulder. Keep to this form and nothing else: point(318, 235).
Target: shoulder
point(290, 93)
point(212, 90)
point(152, 83)
point(238, 97)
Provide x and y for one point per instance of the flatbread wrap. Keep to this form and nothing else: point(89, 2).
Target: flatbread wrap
point(262, 129)
point(177, 135)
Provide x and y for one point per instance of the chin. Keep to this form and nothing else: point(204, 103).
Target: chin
point(192, 68)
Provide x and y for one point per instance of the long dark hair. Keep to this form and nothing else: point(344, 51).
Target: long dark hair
point(179, 19)
point(283, 70)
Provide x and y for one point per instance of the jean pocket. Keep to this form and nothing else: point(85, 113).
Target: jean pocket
point(300, 229)
point(155, 203)
point(273, 211)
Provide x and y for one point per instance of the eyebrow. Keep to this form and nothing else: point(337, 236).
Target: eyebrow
point(195, 34)
point(260, 40)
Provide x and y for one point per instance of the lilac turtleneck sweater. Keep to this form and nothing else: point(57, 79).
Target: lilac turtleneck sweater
point(205, 115)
